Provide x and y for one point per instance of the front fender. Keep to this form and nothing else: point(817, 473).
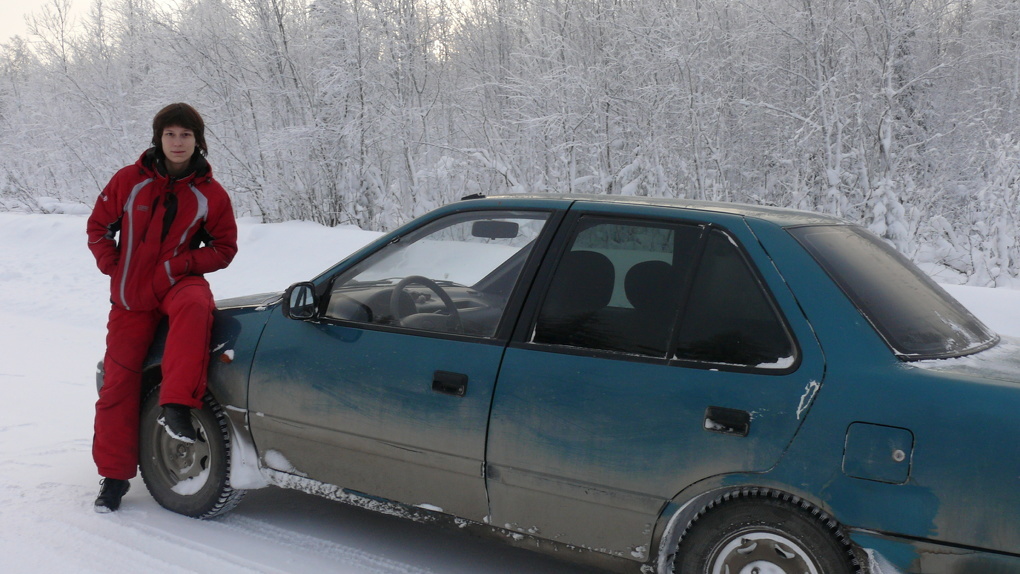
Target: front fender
point(245, 471)
point(237, 328)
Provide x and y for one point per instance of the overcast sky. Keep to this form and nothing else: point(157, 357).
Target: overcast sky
point(13, 12)
point(12, 15)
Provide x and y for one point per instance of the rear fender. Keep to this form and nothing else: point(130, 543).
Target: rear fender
point(678, 513)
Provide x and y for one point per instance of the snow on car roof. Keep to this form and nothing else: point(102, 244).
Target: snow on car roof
point(783, 217)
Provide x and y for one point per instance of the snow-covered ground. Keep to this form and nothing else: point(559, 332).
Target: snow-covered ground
point(53, 305)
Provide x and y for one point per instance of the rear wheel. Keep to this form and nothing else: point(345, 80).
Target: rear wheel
point(190, 479)
point(764, 532)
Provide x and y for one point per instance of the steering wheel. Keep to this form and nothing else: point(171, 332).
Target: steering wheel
point(399, 288)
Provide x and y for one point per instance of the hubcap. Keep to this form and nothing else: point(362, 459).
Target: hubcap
point(759, 552)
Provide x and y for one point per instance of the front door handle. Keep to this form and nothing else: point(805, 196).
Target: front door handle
point(449, 383)
point(728, 421)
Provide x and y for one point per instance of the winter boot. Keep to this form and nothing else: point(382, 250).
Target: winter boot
point(110, 493)
point(176, 419)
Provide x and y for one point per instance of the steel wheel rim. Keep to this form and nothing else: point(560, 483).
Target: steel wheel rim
point(761, 552)
point(179, 461)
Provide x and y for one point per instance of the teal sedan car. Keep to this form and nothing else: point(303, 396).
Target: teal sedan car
point(638, 385)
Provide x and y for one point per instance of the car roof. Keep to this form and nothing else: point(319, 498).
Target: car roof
point(783, 217)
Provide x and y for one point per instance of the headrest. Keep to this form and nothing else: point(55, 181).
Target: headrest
point(647, 285)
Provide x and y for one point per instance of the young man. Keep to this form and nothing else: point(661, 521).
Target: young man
point(157, 227)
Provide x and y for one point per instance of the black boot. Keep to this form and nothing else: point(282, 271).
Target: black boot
point(110, 493)
point(176, 419)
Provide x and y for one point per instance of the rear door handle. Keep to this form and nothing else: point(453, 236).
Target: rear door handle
point(728, 421)
point(448, 383)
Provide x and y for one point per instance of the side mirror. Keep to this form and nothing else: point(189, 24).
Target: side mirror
point(300, 302)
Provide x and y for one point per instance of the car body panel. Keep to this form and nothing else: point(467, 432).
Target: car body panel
point(959, 488)
point(237, 327)
point(937, 410)
point(366, 397)
point(895, 554)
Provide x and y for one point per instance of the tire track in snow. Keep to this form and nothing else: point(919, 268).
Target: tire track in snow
point(79, 540)
point(60, 517)
point(150, 539)
point(361, 560)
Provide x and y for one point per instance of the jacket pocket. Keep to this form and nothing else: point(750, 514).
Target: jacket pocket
point(169, 273)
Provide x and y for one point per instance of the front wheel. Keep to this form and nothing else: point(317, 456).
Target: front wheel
point(190, 479)
point(766, 532)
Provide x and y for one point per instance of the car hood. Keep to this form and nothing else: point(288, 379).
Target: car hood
point(259, 300)
point(1000, 363)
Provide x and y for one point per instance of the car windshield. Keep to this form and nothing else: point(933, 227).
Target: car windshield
point(917, 318)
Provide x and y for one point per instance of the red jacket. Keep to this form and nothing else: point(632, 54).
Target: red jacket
point(169, 228)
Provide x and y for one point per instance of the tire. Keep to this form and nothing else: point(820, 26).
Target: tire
point(190, 479)
point(766, 531)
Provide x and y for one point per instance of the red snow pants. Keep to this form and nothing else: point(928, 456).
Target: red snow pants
point(188, 306)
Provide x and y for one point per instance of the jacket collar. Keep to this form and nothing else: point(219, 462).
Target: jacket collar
point(151, 163)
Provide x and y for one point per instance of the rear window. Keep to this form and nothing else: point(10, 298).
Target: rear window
point(915, 316)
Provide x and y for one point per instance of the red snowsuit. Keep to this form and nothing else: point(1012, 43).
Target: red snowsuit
point(155, 268)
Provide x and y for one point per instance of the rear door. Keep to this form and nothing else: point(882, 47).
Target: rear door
point(664, 351)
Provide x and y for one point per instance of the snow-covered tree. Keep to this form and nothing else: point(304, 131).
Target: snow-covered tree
point(902, 115)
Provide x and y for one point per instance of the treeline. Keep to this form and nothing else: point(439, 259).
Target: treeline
point(898, 114)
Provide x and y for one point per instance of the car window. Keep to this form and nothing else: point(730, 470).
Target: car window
point(915, 316)
point(729, 319)
point(620, 285)
point(617, 286)
point(454, 275)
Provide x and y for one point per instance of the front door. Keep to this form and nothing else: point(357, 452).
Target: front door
point(387, 391)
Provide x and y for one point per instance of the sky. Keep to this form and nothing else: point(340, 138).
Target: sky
point(13, 12)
